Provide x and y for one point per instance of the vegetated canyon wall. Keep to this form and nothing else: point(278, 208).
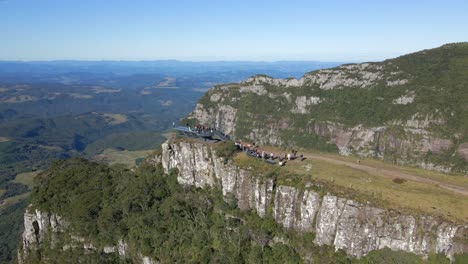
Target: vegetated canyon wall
point(354, 227)
point(389, 110)
point(346, 224)
point(409, 110)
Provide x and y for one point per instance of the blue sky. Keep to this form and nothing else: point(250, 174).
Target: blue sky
point(349, 30)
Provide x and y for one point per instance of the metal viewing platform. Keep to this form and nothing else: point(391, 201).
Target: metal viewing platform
point(209, 135)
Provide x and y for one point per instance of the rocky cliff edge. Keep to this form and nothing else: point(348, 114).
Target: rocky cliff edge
point(346, 224)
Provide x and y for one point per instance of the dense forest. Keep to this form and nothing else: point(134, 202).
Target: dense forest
point(169, 222)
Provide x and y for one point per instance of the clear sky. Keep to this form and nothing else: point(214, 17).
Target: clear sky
point(328, 30)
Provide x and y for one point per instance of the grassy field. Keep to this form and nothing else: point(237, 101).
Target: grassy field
point(14, 199)
point(457, 179)
point(26, 178)
point(128, 158)
point(410, 197)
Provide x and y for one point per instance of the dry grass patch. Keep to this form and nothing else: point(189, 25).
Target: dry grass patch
point(14, 199)
point(456, 179)
point(128, 158)
point(52, 148)
point(168, 82)
point(26, 178)
point(165, 102)
point(409, 197)
point(20, 99)
point(145, 92)
point(115, 119)
point(80, 96)
point(100, 89)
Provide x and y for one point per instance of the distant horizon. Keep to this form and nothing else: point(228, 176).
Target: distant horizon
point(179, 60)
point(222, 60)
point(227, 59)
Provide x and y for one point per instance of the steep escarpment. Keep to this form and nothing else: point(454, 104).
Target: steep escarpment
point(408, 110)
point(73, 216)
point(192, 203)
point(357, 228)
point(198, 165)
point(84, 212)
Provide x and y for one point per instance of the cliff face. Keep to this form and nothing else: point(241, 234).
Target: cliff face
point(198, 165)
point(406, 110)
point(37, 226)
point(354, 227)
point(43, 229)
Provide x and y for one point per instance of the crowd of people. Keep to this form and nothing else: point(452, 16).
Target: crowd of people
point(253, 151)
point(199, 129)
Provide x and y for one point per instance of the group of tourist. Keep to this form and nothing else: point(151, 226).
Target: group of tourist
point(253, 151)
point(199, 128)
point(250, 149)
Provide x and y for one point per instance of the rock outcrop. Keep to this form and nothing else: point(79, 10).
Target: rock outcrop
point(384, 110)
point(198, 165)
point(42, 229)
point(37, 225)
point(401, 141)
point(346, 224)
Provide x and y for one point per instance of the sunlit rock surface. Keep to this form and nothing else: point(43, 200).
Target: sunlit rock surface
point(346, 224)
